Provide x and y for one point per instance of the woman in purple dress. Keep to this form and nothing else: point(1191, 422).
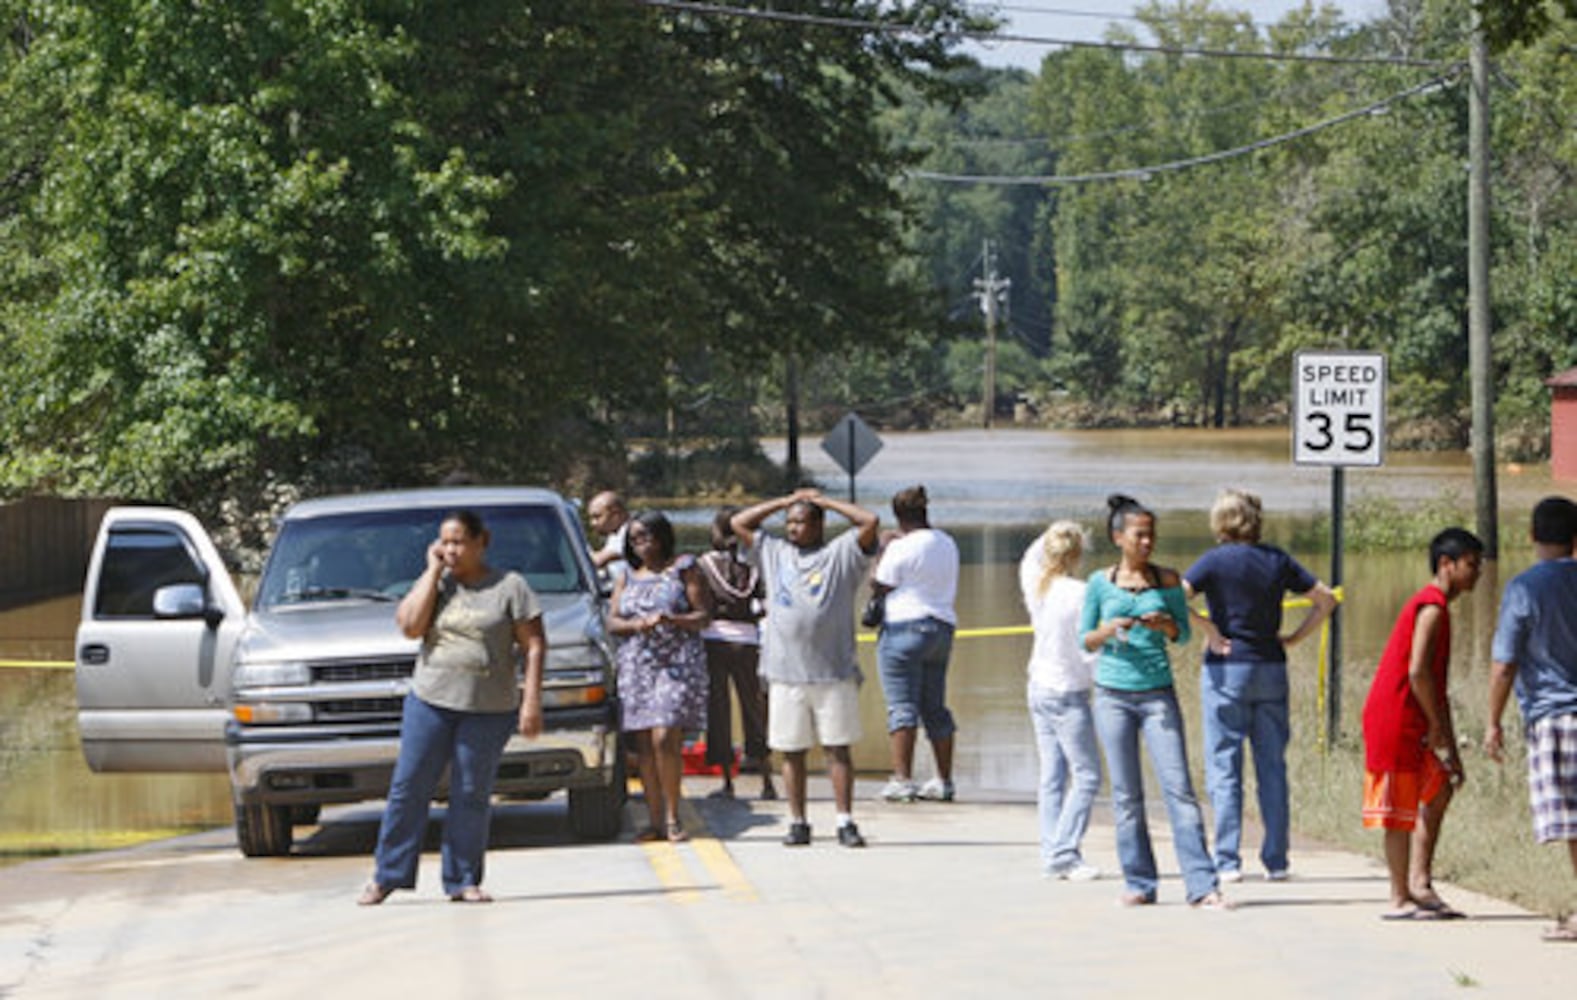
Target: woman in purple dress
point(659, 609)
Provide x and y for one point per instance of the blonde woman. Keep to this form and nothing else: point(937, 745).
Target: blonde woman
point(1243, 687)
point(1060, 678)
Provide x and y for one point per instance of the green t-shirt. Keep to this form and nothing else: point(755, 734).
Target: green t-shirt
point(467, 660)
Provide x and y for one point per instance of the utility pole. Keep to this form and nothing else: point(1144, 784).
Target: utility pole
point(990, 288)
point(1480, 367)
point(791, 416)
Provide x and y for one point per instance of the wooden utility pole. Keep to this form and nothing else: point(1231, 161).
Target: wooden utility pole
point(990, 288)
point(1480, 356)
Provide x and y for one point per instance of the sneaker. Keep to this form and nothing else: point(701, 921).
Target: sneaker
point(1278, 874)
point(899, 790)
point(849, 836)
point(798, 835)
point(1229, 875)
point(1079, 871)
point(936, 790)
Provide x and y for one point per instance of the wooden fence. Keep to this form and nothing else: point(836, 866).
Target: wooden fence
point(45, 543)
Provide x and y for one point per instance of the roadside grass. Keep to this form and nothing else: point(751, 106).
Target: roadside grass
point(1486, 842)
point(17, 846)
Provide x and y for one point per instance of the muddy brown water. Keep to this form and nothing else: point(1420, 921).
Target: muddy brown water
point(993, 490)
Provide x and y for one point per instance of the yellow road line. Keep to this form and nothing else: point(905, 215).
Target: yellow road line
point(719, 863)
point(670, 869)
point(668, 861)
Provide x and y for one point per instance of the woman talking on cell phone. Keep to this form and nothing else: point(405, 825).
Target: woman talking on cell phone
point(466, 699)
point(1132, 610)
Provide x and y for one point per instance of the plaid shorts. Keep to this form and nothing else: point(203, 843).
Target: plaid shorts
point(1552, 777)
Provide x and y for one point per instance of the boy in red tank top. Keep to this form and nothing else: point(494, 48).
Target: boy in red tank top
point(1411, 763)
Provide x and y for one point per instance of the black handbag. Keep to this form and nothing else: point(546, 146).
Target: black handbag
point(875, 610)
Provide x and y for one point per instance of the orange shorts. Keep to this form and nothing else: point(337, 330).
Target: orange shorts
point(1391, 799)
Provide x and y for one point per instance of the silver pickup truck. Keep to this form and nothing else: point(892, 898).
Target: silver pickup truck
point(299, 698)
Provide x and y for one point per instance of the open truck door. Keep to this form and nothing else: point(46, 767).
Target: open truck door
point(160, 620)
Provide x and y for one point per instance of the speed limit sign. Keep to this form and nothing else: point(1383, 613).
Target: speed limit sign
point(1338, 411)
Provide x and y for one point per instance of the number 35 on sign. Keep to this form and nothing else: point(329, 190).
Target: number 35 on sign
point(1338, 408)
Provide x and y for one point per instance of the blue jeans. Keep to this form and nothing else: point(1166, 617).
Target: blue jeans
point(1065, 739)
point(430, 739)
point(1246, 701)
point(912, 658)
point(1121, 718)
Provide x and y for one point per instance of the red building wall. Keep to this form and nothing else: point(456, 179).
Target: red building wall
point(1563, 432)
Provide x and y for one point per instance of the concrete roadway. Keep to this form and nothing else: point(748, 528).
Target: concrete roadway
point(946, 900)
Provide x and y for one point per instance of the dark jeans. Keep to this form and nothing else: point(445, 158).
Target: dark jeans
point(432, 738)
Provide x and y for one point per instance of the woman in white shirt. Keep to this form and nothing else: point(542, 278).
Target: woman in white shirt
point(1060, 678)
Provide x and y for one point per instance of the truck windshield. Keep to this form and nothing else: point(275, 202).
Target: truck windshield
point(377, 555)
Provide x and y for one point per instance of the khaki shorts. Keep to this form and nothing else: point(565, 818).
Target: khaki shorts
point(799, 716)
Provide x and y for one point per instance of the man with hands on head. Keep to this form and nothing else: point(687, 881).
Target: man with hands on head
point(807, 642)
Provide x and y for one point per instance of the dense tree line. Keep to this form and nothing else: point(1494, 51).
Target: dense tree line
point(321, 243)
point(253, 249)
point(1182, 295)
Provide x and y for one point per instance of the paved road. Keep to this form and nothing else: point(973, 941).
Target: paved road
point(945, 901)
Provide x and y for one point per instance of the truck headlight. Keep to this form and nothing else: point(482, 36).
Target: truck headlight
point(581, 656)
point(272, 713)
point(287, 673)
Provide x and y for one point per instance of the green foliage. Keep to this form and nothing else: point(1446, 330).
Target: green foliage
point(341, 243)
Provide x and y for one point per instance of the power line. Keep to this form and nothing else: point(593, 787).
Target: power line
point(987, 8)
point(894, 28)
point(1145, 173)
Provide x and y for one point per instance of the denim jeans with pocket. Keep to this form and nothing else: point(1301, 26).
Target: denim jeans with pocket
point(1070, 772)
point(470, 744)
point(1122, 719)
point(1243, 700)
point(911, 657)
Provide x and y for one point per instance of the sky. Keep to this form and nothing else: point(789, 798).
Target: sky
point(1087, 20)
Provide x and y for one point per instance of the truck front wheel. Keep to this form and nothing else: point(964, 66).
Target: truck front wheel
point(598, 813)
point(263, 831)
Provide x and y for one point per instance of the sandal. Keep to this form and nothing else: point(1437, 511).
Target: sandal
point(1135, 899)
point(648, 836)
point(1213, 901)
point(471, 894)
point(676, 834)
point(1564, 932)
point(374, 894)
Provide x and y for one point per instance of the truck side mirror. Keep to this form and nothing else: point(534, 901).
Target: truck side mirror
point(183, 600)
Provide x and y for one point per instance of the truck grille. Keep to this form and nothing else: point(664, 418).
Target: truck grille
point(346, 671)
point(359, 710)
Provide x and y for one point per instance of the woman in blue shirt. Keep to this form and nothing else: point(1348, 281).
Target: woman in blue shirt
point(1243, 687)
point(1131, 611)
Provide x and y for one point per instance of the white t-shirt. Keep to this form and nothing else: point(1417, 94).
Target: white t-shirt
point(921, 567)
point(615, 545)
point(1058, 661)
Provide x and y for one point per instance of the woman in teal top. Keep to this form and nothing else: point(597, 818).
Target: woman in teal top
point(1131, 611)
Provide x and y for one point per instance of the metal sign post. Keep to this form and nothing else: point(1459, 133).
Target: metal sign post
point(1338, 419)
point(851, 443)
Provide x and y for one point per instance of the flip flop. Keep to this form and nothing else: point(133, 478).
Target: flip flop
point(1561, 933)
point(1441, 909)
point(1412, 913)
point(648, 836)
point(471, 894)
point(374, 894)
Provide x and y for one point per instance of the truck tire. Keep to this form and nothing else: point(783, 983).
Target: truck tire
point(263, 831)
point(598, 813)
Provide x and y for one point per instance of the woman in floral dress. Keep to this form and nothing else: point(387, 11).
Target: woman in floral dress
point(659, 609)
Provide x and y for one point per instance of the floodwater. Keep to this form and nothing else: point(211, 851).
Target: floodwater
point(994, 490)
